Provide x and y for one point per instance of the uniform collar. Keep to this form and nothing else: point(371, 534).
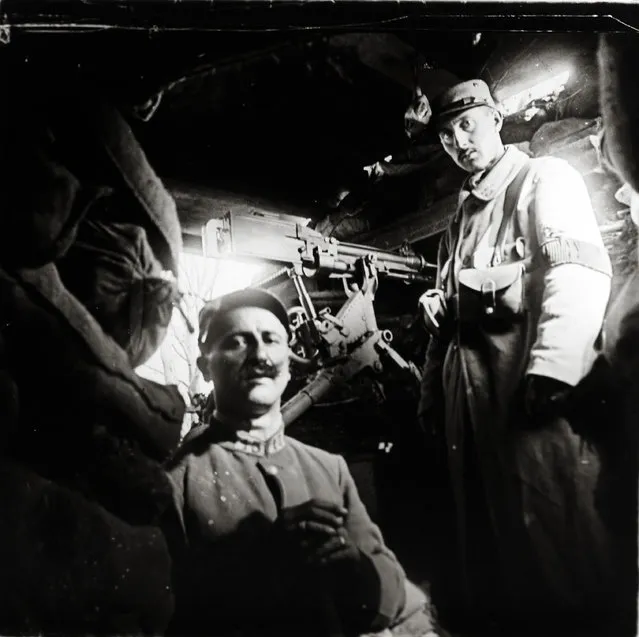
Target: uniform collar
point(254, 447)
point(496, 180)
point(240, 440)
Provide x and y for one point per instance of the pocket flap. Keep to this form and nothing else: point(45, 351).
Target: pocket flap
point(502, 276)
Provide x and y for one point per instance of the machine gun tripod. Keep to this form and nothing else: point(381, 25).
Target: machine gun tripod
point(333, 349)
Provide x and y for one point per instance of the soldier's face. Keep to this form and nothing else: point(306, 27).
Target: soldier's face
point(248, 363)
point(472, 138)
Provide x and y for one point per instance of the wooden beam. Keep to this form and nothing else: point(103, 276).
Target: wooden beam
point(413, 227)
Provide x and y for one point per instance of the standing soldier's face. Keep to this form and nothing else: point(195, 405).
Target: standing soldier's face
point(472, 138)
point(248, 362)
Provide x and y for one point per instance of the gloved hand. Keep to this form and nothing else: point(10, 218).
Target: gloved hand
point(315, 530)
point(544, 396)
point(434, 311)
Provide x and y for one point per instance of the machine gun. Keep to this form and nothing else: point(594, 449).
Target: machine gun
point(333, 348)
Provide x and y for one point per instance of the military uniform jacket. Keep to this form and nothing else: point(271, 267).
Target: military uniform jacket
point(538, 479)
point(232, 574)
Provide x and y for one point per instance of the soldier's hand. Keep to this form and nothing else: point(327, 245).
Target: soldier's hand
point(544, 396)
point(303, 527)
point(312, 517)
point(316, 531)
point(434, 311)
point(338, 548)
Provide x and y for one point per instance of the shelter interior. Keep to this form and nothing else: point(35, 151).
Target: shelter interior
point(310, 123)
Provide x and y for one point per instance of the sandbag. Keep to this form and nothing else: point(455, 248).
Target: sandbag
point(100, 148)
point(70, 164)
point(82, 374)
point(61, 153)
point(82, 437)
point(42, 200)
point(129, 238)
point(619, 100)
point(112, 270)
point(568, 139)
point(71, 568)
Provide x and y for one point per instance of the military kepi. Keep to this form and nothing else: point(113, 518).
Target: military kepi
point(214, 310)
point(462, 97)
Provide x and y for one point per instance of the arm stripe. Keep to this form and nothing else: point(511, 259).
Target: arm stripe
point(562, 250)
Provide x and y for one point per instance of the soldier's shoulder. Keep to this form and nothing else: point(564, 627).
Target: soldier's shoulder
point(319, 455)
point(196, 442)
point(548, 166)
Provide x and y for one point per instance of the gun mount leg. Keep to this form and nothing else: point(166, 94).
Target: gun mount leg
point(307, 397)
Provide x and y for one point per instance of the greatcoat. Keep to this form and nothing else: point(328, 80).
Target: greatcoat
point(529, 485)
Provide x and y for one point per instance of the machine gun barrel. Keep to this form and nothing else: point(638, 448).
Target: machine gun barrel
point(413, 261)
point(342, 258)
point(282, 239)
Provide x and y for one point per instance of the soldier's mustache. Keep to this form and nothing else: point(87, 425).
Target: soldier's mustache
point(262, 370)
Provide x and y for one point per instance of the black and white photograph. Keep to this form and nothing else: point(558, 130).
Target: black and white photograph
point(319, 318)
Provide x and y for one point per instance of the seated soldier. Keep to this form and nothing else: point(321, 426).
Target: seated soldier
point(269, 535)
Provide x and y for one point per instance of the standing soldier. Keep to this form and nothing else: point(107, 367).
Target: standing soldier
point(523, 283)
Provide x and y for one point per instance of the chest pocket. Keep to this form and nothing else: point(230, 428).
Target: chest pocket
point(496, 293)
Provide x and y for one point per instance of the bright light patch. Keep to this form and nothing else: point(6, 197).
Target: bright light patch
point(231, 275)
point(551, 86)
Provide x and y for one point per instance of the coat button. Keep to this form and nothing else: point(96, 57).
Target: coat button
point(271, 470)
